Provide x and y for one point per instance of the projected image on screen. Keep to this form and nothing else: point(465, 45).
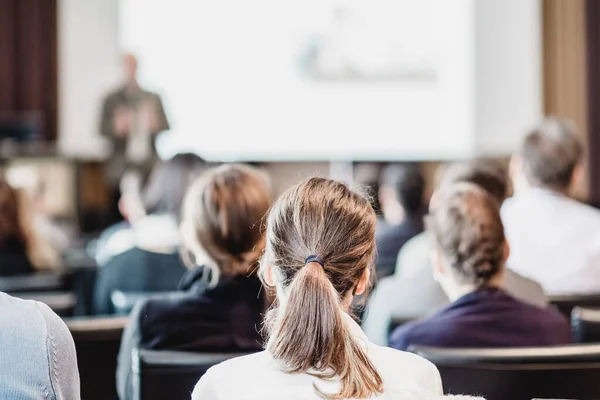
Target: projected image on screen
point(306, 79)
point(359, 42)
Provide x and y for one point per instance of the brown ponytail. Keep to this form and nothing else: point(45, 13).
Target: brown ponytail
point(308, 331)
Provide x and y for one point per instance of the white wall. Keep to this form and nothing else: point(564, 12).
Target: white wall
point(88, 59)
point(508, 65)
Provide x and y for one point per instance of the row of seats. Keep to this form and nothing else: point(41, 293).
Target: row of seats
point(68, 292)
point(564, 372)
point(520, 373)
point(498, 373)
point(516, 373)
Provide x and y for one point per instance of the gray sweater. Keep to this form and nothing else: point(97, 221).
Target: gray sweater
point(37, 353)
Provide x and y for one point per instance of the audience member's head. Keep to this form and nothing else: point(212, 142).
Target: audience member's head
point(469, 247)
point(489, 175)
point(222, 217)
point(16, 228)
point(319, 251)
point(366, 176)
point(164, 192)
point(401, 192)
point(130, 68)
point(549, 158)
point(11, 230)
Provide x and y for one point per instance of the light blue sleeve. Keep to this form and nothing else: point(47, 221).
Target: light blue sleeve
point(62, 358)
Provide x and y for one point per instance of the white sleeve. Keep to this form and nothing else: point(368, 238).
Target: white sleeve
point(439, 388)
point(204, 389)
point(64, 374)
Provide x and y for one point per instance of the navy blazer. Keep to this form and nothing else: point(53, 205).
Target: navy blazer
point(486, 318)
point(222, 319)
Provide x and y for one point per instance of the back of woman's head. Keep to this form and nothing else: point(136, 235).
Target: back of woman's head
point(10, 225)
point(222, 218)
point(467, 230)
point(168, 183)
point(323, 218)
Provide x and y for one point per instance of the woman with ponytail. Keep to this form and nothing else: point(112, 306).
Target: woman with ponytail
point(318, 255)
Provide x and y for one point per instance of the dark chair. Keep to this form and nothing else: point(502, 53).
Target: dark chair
point(585, 324)
point(396, 322)
point(36, 282)
point(566, 303)
point(560, 372)
point(171, 374)
point(97, 341)
point(62, 303)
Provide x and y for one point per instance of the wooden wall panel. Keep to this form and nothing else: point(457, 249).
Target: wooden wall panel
point(28, 63)
point(564, 67)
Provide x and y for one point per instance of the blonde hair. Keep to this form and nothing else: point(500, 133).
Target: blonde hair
point(307, 330)
point(16, 224)
point(225, 207)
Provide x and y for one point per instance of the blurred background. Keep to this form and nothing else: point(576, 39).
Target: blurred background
point(94, 94)
point(300, 88)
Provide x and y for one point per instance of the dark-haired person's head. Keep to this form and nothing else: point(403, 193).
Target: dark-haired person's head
point(549, 158)
point(489, 175)
point(469, 246)
point(401, 192)
point(307, 330)
point(222, 219)
point(165, 189)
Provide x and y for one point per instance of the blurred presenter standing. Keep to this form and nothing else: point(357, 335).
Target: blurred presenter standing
point(131, 119)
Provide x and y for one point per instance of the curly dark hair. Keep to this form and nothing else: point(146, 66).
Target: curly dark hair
point(466, 228)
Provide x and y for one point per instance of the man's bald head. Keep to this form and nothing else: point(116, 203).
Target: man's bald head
point(130, 66)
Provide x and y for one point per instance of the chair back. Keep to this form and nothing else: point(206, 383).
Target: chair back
point(171, 374)
point(558, 372)
point(566, 303)
point(585, 324)
point(62, 303)
point(36, 282)
point(97, 341)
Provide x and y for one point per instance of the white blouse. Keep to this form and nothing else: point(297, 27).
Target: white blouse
point(257, 376)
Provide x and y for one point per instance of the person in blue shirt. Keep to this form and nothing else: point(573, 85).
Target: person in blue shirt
point(468, 258)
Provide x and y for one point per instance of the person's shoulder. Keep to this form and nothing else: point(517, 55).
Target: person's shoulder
point(585, 210)
point(401, 337)
point(242, 366)
point(423, 373)
point(114, 94)
point(25, 309)
point(394, 359)
point(247, 362)
point(167, 308)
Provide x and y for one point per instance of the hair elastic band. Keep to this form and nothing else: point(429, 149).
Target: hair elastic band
point(313, 258)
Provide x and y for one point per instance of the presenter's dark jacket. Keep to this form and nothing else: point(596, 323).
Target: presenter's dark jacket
point(486, 318)
point(225, 318)
point(122, 98)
